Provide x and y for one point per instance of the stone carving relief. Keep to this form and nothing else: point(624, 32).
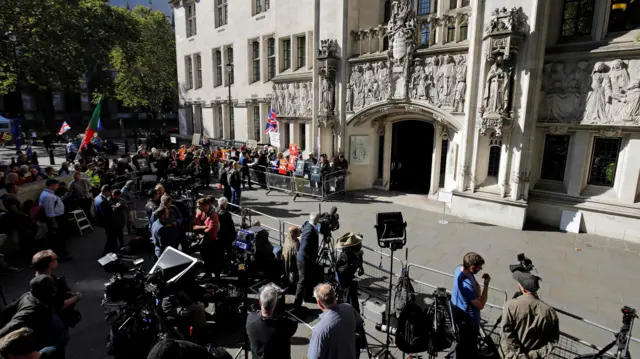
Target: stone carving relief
point(401, 32)
point(439, 80)
point(294, 99)
point(591, 93)
point(505, 32)
point(327, 92)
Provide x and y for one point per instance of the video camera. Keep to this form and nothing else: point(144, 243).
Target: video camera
point(525, 265)
point(329, 222)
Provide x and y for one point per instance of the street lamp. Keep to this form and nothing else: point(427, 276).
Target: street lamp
point(229, 68)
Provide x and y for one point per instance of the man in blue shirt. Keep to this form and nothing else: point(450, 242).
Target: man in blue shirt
point(161, 234)
point(334, 337)
point(467, 300)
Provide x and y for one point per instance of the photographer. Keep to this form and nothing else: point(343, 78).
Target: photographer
point(348, 264)
point(270, 333)
point(529, 326)
point(467, 300)
point(306, 258)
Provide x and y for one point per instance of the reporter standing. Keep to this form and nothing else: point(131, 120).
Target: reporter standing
point(467, 300)
point(206, 223)
point(306, 259)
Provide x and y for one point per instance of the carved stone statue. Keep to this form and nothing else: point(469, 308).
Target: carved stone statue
point(461, 85)
point(292, 99)
point(497, 88)
point(596, 109)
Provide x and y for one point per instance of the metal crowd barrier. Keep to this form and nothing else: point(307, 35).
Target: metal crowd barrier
point(375, 283)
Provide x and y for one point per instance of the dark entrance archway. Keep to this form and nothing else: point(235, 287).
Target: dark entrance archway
point(411, 156)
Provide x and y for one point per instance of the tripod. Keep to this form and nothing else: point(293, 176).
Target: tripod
point(326, 254)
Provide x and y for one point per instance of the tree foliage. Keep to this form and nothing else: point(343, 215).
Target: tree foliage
point(57, 42)
point(146, 65)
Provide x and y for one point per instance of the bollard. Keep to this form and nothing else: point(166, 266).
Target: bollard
point(51, 159)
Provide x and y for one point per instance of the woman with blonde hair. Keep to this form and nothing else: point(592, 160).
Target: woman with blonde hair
point(289, 253)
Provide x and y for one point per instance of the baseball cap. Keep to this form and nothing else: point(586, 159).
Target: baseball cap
point(528, 281)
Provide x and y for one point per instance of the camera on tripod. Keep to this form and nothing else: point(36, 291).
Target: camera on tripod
point(525, 265)
point(329, 222)
point(628, 315)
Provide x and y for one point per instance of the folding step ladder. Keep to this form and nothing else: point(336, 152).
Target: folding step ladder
point(81, 221)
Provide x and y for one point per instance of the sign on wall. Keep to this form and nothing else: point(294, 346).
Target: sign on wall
point(360, 150)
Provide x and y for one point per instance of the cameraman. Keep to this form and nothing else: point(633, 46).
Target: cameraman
point(306, 258)
point(349, 264)
point(270, 333)
point(467, 300)
point(530, 327)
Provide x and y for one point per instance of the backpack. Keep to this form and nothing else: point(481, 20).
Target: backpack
point(38, 214)
point(413, 326)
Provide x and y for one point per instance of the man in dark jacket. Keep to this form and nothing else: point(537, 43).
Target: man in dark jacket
point(105, 211)
point(227, 232)
point(270, 333)
point(36, 310)
point(223, 180)
point(307, 255)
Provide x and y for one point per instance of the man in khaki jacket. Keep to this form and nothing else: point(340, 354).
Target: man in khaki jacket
point(529, 326)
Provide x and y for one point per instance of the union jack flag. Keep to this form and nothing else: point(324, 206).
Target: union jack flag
point(272, 122)
point(65, 127)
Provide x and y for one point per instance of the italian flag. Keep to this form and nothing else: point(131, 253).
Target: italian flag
point(93, 126)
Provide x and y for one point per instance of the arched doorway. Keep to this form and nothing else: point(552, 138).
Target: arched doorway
point(411, 156)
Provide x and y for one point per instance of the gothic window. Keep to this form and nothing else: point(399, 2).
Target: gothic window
point(604, 161)
point(387, 18)
point(453, 4)
point(255, 50)
point(230, 62)
point(451, 33)
point(220, 127)
point(577, 17)
point(494, 161)
point(256, 123)
point(554, 157)
point(188, 66)
point(286, 54)
point(624, 15)
point(301, 48)
point(286, 133)
point(425, 34)
point(191, 19)
point(198, 62)
point(221, 13)
point(464, 28)
point(217, 57)
point(424, 7)
point(465, 3)
point(271, 61)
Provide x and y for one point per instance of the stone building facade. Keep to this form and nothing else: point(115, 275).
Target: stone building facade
point(527, 110)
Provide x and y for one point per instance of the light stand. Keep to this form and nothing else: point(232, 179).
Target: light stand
point(243, 275)
point(391, 231)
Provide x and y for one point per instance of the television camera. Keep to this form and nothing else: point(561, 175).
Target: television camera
point(524, 265)
point(329, 222)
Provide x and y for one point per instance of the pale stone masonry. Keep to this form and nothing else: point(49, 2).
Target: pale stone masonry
point(530, 107)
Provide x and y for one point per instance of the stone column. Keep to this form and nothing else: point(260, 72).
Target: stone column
point(435, 158)
point(530, 64)
point(503, 173)
point(386, 159)
point(469, 139)
point(576, 160)
point(315, 131)
point(629, 175)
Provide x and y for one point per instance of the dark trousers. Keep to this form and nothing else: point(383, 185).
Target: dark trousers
point(111, 244)
point(119, 233)
point(212, 254)
point(246, 176)
point(85, 205)
point(58, 233)
point(351, 295)
point(468, 334)
point(235, 198)
point(306, 273)
point(226, 192)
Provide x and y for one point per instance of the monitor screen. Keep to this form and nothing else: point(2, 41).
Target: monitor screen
point(174, 264)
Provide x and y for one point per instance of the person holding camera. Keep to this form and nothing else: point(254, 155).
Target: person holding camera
point(270, 333)
point(306, 259)
point(530, 327)
point(467, 300)
point(349, 264)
